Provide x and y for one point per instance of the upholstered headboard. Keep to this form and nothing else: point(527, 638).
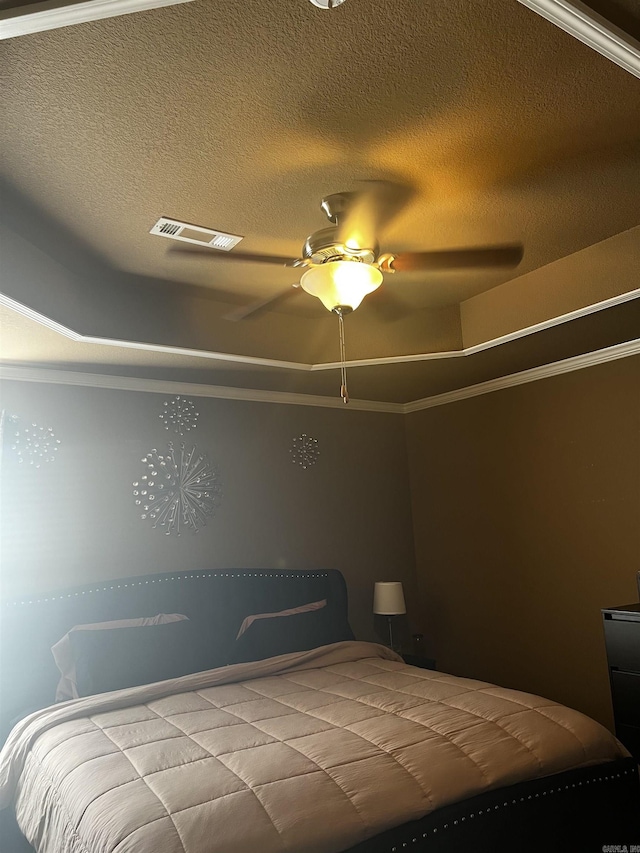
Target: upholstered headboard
point(221, 599)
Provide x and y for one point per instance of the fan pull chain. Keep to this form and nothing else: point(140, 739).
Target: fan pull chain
point(343, 361)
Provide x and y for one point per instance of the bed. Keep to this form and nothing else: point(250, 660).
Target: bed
point(283, 731)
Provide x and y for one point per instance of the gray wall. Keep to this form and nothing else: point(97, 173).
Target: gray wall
point(74, 520)
point(526, 509)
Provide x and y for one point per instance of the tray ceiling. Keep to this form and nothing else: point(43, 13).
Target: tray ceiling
point(241, 116)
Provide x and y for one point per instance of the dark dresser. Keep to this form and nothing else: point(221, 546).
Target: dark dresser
point(622, 638)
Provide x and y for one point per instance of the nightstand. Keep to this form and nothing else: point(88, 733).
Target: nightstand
point(419, 660)
point(622, 639)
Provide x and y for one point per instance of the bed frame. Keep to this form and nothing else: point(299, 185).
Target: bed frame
point(579, 811)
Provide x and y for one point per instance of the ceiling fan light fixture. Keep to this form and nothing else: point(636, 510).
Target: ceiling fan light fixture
point(327, 4)
point(341, 284)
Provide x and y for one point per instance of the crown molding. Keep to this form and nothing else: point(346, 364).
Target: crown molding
point(24, 373)
point(21, 373)
point(494, 342)
point(571, 16)
point(556, 368)
point(592, 29)
point(72, 335)
point(18, 22)
point(257, 361)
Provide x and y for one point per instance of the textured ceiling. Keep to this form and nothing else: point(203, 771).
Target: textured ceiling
point(241, 116)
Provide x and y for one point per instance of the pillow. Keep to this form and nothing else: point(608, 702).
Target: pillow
point(305, 608)
point(298, 632)
point(127, 657)
point(63, 655)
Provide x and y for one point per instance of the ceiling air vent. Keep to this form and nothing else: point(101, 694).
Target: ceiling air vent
point(194, 234)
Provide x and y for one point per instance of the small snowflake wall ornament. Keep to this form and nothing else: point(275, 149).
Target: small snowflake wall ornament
point(37, 445)
point(179, 415)
point(304, 451)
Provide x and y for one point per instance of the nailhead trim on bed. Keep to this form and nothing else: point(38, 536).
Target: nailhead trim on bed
point(505, 804)
point(178, 577)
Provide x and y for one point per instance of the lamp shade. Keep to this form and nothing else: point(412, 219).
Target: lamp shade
point(341, 284)
point(388, 598)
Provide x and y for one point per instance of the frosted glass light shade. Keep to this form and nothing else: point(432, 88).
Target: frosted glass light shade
point(388, 598)
point(341, 283)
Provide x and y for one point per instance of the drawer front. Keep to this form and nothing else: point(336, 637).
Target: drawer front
point(625, 689)
point(623, 644)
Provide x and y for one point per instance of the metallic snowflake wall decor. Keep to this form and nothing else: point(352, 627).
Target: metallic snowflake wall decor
point(180, 489)
point(179, 415)
point(305, 451)
point(33, 444)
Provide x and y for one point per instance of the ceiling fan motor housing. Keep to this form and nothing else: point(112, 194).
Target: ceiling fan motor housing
point(324, 245)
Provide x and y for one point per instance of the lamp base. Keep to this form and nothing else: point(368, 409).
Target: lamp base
point(393, 642)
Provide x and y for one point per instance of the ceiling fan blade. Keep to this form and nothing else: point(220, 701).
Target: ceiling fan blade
point(217, 255)
point(486, 256)
point(257, 307)
point(370, 210)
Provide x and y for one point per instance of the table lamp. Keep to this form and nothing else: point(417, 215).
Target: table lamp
point(388, 600)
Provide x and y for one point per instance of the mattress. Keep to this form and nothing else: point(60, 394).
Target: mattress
point(310, 752)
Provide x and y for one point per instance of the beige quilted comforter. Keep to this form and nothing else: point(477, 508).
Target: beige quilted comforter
point(306, 753)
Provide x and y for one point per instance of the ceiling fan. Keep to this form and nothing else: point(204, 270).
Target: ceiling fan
point(342, 263)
